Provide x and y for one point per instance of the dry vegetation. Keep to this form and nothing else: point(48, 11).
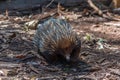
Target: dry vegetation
point(100, 52)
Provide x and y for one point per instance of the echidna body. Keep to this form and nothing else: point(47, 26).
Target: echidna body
point(56, 40)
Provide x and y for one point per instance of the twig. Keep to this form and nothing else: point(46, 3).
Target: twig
point(90, 2)
point(34, 69)
point(115, 72)
point(44, 8)
point(95, 7)
point(49, 4)
point(54, 69)
point(34, 53)
point(43, 68)
point(9, 65)
point(31, 52)
point(58, 9)
point(2, 49)
point(29, 57)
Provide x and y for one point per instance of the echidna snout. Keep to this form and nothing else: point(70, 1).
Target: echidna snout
point(67, 57)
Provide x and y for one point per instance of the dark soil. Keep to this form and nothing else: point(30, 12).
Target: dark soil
point(18, 59)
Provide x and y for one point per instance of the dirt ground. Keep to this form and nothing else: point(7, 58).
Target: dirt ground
point(99, 61)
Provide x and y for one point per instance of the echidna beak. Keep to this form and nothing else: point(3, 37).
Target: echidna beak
point(68, 57)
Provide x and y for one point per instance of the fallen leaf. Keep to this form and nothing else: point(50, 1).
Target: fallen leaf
point(21, 56)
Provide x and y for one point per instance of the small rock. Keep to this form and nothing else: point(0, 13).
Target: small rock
point(2, 73)
point(74, 69)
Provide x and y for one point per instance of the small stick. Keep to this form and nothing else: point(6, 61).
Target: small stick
point(95, 7)
point(34, 69)
point(49, 4)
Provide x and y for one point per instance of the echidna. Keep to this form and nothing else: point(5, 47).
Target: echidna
point(56, 41)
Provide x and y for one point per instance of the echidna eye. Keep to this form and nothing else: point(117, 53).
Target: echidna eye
point(76, 51)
